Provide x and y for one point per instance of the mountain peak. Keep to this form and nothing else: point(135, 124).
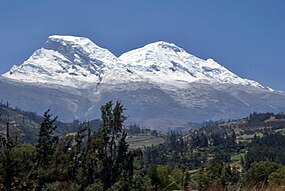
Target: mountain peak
point(60, 42)
point(66, 60)
point(166, 63)
point(70, 39)
point(166, 46)
point(77, 61)
point(162, 46)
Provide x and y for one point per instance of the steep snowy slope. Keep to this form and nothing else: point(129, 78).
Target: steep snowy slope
point(65, 60)
point(166, 63)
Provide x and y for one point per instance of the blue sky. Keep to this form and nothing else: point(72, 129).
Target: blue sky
point(247, 37)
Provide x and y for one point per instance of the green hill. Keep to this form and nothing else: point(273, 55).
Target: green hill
point(25, 125)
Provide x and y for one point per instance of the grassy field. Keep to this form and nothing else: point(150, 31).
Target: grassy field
point(237, 157)
point(141, 140)
point(246, 137)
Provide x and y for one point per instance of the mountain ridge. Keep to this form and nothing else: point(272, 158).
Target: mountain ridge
point(161, 85)
point(77, 61)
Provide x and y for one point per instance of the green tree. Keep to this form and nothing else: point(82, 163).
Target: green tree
point(259, 172)
point(107, 156)
point(214, 174)
point(9, 143)
point(277, 177)
point(152, 174)
point(45, 149)
point(162, 176)
point(140, 183)
point(23, 157)
point(46, 139)
point(96, 186)
point(78, 151)
point(177, 177)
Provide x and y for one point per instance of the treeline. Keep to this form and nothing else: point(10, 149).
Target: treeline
point(27, 124)
point(209, 158)
point(212, 158)
point(135, 129)
point(88, 160)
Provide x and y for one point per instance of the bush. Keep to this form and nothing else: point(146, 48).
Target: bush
point(96, 186)
point(61, 186)
point(259, 172)
point(277, 177)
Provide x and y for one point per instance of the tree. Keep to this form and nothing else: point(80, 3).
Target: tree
point(160, 178)
point(45, 148)
point(277, 177)
point(140, 183)
point(215, 174)
point(152, 174)
point(23, 157)
point(8, 172)
point(123, 159)
point(96, 186)
point(46, 139)
point(77, 154)
point(107, 155)
point(176, 178)
point(259, 173)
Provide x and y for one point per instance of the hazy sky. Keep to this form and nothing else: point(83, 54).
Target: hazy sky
point(245, 36)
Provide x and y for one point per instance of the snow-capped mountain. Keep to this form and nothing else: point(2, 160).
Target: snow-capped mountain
point(165, 63)
point(160, 84)
point(78, 62)
point(65, 60)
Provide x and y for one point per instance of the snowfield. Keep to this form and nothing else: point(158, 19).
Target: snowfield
point(78, 62)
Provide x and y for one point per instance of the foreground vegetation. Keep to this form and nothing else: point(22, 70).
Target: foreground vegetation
point(246, 154)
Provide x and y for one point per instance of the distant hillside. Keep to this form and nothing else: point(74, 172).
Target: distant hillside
point(25, 125)
point(19, 123)
point(256, 124)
